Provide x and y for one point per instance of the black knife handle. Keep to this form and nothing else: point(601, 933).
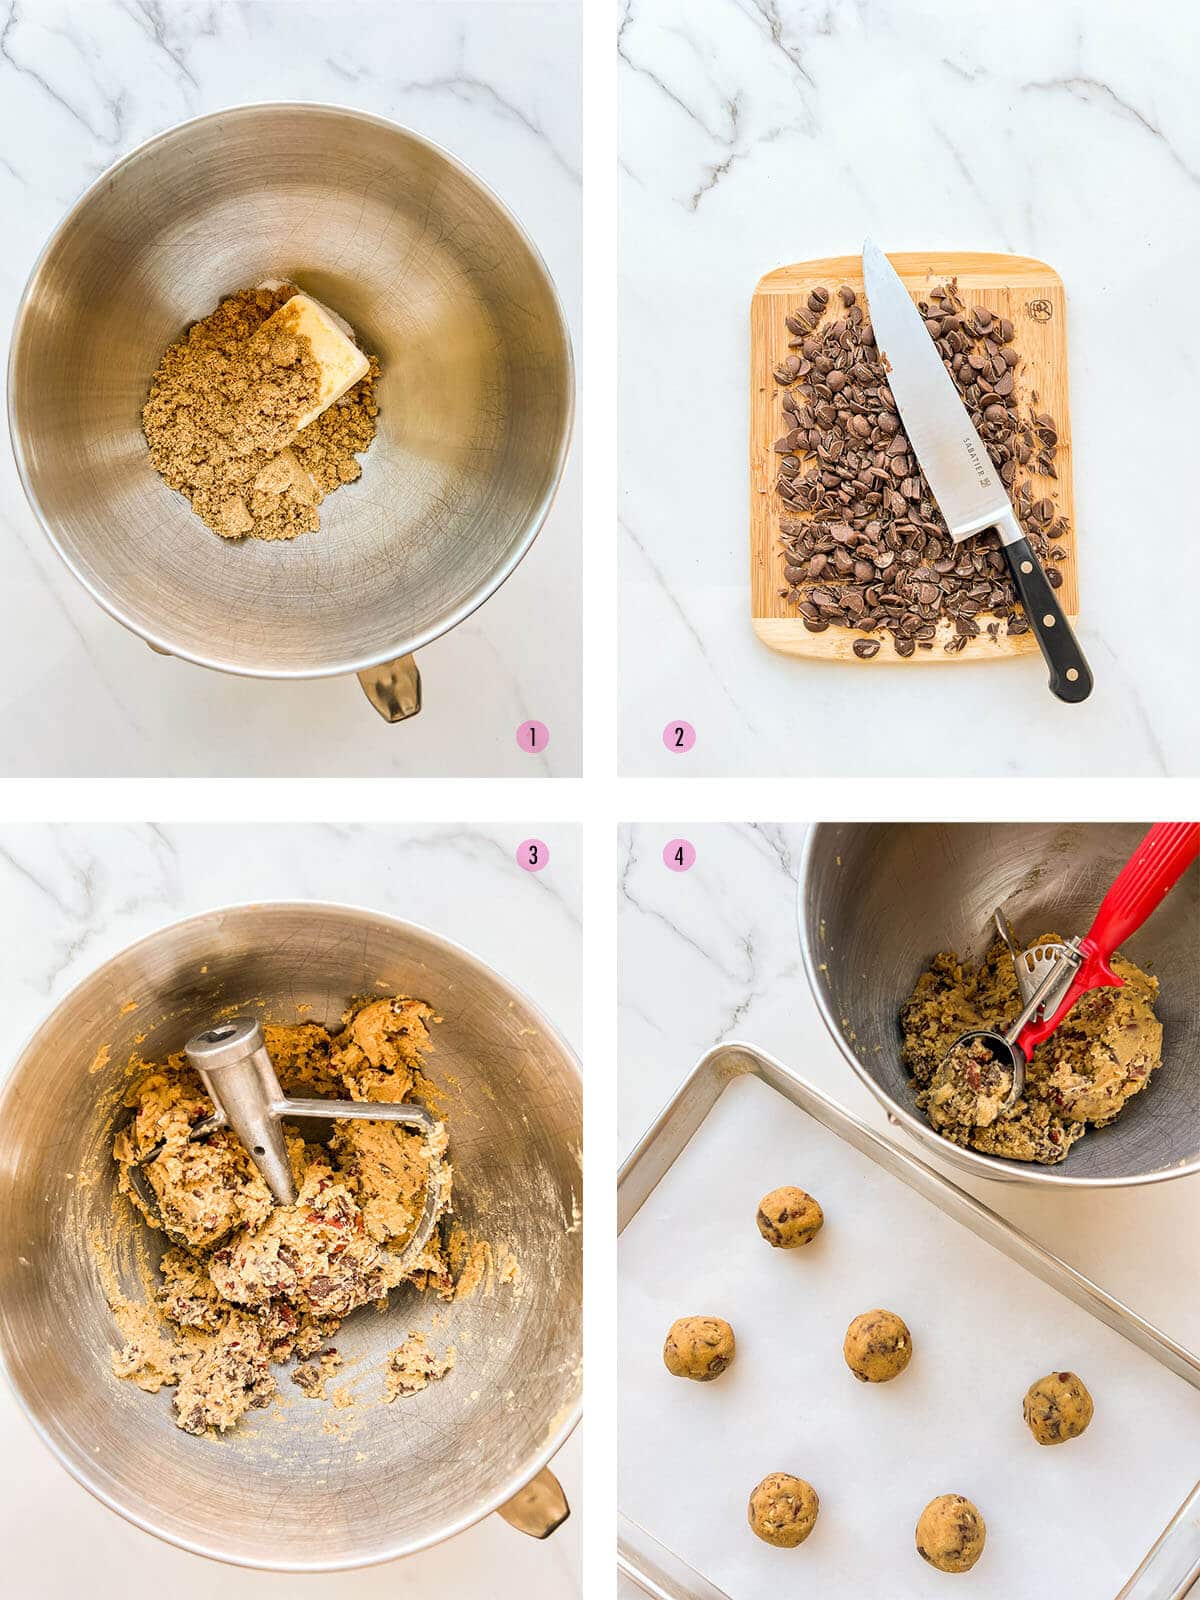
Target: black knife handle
point(1070, 675)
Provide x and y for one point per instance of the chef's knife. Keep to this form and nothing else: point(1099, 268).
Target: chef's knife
point(955, 461)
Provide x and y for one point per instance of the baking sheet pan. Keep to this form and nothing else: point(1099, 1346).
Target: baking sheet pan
point(989, 1311)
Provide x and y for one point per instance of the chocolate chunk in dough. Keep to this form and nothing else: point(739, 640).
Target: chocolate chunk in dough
point(310, 1377)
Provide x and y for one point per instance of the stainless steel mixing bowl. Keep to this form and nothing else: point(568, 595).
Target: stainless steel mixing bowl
point(279, 1491)
point(437, 279)
point(876, 901)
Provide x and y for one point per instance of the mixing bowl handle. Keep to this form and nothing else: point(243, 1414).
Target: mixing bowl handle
point(539, 1508)
point(393, 688)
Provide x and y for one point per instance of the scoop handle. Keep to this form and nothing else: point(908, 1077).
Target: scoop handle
point(1153, 869)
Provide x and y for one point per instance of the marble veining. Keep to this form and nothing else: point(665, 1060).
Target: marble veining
point(758, 132)
point(83, 83)
point(73, 897)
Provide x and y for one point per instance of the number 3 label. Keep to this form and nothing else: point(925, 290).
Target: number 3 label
point(533, 855)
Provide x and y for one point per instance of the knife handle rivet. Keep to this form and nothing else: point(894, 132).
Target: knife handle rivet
point(1027, 566)
point(1072, 675)
point(1048, 621)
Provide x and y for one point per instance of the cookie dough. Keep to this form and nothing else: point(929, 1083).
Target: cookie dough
point(1083, 1075)
point(699, 1348)
point(783, 1510)
point(248, 1284)
point(1057, 1408)
point(878, 1346)
point(312, 1376)
point(969, 1089)
point(414, 1367)
point(788, 1218)
point(951, 1533)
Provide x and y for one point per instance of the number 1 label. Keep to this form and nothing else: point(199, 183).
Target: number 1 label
point(533, 737)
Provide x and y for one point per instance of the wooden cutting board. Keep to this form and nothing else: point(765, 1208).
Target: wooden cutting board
point(1031, 295)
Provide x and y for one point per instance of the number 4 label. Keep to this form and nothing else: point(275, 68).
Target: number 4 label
point(679, 855)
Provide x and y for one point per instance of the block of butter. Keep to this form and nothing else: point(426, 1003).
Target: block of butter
point(340, 363)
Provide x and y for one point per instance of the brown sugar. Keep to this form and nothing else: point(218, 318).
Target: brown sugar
point(220, 422)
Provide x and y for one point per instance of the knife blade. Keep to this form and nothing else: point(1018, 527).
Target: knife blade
point(957, 467)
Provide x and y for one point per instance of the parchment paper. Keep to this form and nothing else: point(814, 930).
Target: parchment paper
point(1070, 1522)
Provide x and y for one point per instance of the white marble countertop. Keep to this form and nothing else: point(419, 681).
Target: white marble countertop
point(78, 895)
point(760, 132)
point(714, 954)
point(494, 81)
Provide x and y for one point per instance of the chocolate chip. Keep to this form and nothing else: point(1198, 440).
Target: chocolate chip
point(860, 510)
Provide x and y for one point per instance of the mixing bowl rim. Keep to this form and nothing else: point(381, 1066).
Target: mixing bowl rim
point(78, 1469)
point(985, 1166)
point(482, 592)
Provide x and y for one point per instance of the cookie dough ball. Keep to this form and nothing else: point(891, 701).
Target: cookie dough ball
point(878, 1346)
point(1057, 1408)
point(783, 1510)
point(951, 1533)
point(788, 1217)
point(699, 1348)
